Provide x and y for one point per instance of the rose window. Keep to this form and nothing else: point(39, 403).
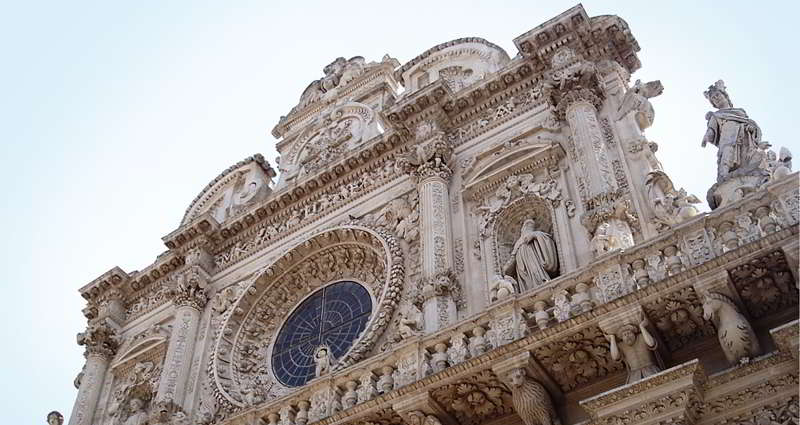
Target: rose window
point(332, 317)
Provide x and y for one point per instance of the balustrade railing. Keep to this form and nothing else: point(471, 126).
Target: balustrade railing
point(615, 274)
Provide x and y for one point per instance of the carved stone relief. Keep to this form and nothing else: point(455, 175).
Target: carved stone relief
point(578, 359)
point(765, 284)
point(679, 318)
point(472, 402)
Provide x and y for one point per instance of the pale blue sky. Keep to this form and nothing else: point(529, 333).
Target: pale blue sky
point(114, 115)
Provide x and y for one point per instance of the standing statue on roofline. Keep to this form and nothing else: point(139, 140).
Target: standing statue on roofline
point(737, 137)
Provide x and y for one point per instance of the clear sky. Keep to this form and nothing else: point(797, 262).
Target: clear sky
point(114, 115)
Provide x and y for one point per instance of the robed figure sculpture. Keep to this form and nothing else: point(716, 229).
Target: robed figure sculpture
point(737, 137)
point(533, 257)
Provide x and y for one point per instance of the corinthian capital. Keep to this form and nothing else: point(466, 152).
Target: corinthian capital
point(191, 288)
point(100, 338)
point(426, 160)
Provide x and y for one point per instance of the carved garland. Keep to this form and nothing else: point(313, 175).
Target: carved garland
point(371, 256)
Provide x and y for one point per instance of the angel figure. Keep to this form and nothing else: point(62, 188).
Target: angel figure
point(637, 99)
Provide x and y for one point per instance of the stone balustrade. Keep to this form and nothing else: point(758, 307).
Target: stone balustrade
point(689, 246)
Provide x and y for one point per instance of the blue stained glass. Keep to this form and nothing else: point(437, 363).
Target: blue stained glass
point(333, 316)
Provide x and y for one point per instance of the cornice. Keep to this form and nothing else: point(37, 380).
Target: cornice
point(203, 195)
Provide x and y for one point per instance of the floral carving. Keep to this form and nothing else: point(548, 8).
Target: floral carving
point(578, 359)
point(765, 284)
point(476, 400)
point(678, 316)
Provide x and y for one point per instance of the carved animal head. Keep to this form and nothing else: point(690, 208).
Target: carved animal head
point(517, 377)
point(713, 301)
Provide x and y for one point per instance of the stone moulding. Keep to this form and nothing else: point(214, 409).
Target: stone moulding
point(537, 337)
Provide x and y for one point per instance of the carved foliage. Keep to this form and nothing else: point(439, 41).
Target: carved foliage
point(765, 284)
point(578, 359)
point(480, 398)
point(679, 317)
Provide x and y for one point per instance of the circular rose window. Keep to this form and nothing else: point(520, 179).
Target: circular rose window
point(329, 319)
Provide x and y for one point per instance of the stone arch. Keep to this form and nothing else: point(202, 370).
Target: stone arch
point(506, 226)
point(240, 363)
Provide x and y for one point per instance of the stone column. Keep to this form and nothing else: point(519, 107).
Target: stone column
point(101, 344)
point(439, 287)
point(439, 307)
point(189, 298)
point(605, 218)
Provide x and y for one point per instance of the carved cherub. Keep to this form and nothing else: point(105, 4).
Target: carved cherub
point(501, 287)
point(410, 323)
point(323, 360)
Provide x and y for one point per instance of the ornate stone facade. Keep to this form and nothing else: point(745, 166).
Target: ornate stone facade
point(514, 253)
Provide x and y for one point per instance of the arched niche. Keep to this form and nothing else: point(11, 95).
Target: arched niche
point(240, 368)
point(507, 224)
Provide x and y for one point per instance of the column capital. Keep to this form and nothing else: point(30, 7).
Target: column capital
point(100, 339)
point(191, 288)
point(427, 160)
point(575, 97)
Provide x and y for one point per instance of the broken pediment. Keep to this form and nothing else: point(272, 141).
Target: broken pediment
point(234, 191)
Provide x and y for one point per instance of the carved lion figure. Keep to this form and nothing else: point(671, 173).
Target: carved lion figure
point(531, 400)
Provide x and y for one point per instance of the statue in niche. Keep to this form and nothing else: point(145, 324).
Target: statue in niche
point(324, 361)
point(737, 137)
point(137, 413)
point(55, 418)
point(637, 351)
point(532, 258)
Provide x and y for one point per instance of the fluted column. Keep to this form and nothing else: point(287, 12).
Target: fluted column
point(190, 299)
point(100, 340)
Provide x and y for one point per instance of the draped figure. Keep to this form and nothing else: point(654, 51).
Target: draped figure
point(533, 257)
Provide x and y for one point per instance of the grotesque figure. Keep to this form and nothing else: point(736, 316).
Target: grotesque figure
point(737, 137)
point(502, 287)
point(736, 336)
point(637, 351)
point(531, 400)
point(533, 257)
point(55, 418)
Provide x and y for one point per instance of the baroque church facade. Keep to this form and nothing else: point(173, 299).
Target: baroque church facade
point(466, 238)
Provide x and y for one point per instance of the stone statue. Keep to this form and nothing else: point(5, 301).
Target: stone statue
point(410, 323)
point(737, 137)
point(502, 287)
point(670, 206)
point(533, 257)
point(736, 335)
point(637, 351)
point(531, 400)
point(783, 164)
point(636, 100)
point(324, 361)
point(137, 414)
point(55, 418)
